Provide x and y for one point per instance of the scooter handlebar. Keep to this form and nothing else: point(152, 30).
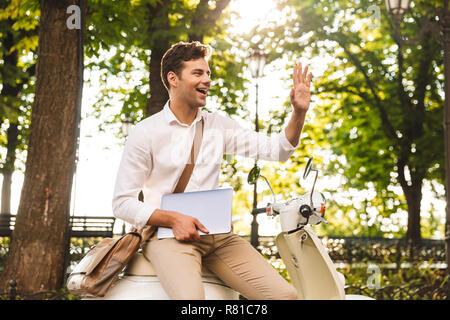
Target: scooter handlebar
point(259, 210)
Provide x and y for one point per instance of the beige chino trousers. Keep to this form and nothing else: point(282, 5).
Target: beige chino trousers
point(232, 259)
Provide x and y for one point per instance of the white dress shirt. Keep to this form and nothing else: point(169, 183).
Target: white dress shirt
point(158, 148)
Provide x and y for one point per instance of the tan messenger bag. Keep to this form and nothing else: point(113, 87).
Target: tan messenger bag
point(101, 266)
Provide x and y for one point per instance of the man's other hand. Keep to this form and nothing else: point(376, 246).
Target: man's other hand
point(185, 227)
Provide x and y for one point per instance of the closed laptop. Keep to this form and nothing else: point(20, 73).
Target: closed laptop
point(211, 207)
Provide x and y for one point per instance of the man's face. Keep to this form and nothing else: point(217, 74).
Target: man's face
point(194, 82)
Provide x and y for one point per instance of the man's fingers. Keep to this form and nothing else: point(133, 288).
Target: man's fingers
point(299, 73)
point(182, 236)
point(201, 227)
point(294, 75)
point(305, 74)
point(309, 79)
point(195, 236)
point(188, 236)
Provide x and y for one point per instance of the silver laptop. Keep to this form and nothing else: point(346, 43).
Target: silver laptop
point(211, 207)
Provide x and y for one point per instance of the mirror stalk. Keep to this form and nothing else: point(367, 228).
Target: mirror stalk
point(312, 190)
point(274, 198)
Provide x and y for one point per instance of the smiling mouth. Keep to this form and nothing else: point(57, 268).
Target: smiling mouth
point(202, 91)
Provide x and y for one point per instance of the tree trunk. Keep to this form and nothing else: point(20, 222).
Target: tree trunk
point(446, 41)
point(39, 243)
point(10, 60)
point(412, 190)
point(12, 91)
point(205, 18)
point(413, 198)
point(158, 93)
point(8, 167)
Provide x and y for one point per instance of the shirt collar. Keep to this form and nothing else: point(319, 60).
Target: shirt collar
point(171, 118)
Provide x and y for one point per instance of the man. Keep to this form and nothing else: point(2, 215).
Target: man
point(155, 155)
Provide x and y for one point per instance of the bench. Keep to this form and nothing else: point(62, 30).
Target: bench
point(7, 222)
point(84, 227)
point(80, 226)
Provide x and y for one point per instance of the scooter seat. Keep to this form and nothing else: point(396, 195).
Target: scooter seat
point(139, 265)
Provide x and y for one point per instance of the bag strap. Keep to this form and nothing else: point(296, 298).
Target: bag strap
point(187, 172)
point(148, 231)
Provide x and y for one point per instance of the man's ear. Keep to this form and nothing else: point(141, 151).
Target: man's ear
point(172, 78)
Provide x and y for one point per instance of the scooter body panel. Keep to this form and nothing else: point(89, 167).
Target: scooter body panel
point(309, 266)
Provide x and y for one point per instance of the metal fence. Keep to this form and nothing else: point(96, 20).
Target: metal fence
point(404, 292)
point(391, 253)
point(80, 226)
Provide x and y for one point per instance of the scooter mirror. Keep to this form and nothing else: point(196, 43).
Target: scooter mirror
point(308, 168)
point(253, 175)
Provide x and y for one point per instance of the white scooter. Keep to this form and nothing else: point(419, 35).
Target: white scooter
point(307, 261)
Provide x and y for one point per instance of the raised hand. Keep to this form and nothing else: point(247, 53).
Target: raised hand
point(301, 91)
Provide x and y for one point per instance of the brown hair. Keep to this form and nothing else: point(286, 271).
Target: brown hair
point(179, 52)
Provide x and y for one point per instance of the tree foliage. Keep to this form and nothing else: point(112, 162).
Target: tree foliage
point(18, 34)
point(376, 118)
point(127, 33)
point(378, 103)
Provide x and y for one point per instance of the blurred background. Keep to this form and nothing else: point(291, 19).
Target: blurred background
point(375, 126)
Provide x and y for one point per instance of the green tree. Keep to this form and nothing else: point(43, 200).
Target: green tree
point(382, 102)
point(39, 243)
point(136, 37)
point(18, 29)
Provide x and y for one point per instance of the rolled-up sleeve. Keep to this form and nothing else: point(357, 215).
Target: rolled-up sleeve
point(256, 145)
point(135, 166)
point(286, 145)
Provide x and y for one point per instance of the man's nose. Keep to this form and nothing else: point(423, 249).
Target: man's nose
point(206, 79)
